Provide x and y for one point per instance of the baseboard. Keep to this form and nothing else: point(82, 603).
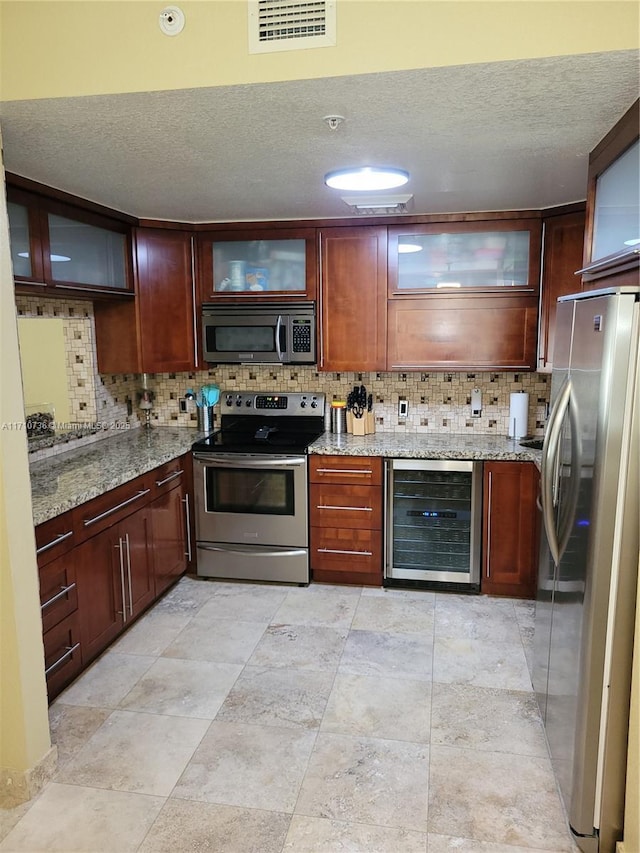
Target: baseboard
point(18, 786)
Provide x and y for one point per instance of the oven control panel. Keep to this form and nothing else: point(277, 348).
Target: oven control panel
point(289, 403)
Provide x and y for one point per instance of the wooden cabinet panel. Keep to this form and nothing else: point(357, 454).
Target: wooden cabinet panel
point(349, 470)
point(169, 537)
point(353, 312)
point(58, 590)
point(62, 654)
point(345, 555)
point(166, 300)
point(463, 333)
point(345, 506)
point(511, 527)
point(562, 256)
point(104, 511)
point(54, 538)
point(134, 534)
point(100, 593)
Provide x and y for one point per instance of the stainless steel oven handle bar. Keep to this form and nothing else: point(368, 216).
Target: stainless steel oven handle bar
point(263, 552)
point(256, 461)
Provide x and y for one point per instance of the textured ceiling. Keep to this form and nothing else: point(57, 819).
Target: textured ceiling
point(496, 136)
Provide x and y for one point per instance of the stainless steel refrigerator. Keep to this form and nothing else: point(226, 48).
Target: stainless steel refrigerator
point(589, 559)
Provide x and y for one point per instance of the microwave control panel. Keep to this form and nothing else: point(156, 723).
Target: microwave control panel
point(301, 331)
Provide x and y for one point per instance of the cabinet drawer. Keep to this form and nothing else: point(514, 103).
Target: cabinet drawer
point(62, 654)
point(98, 514)
point(168, 476)
point(58, 591)
point(346, 506)
point(54, 537)
point(346, 469)
point(345, 549)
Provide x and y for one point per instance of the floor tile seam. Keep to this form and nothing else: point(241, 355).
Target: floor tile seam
point(349, 823)
point(396, 826)
point(507, 847)
point(397, 677)
point(508, 690)
point(421, 743)
point(543, 759)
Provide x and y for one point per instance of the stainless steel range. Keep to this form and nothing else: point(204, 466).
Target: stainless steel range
point(250, 482)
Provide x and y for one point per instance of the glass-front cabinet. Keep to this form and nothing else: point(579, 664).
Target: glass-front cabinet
point(58, 246)
point(468, 256)
point(239, 265)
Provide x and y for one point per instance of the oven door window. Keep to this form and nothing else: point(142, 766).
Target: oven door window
point(257, 492)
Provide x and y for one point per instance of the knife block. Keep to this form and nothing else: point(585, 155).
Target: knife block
point(366, 425)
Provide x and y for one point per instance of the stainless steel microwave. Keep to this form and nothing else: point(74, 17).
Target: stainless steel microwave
point(263, 333)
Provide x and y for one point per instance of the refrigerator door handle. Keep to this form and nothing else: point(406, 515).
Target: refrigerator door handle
point(568, 510)
point(550, 451)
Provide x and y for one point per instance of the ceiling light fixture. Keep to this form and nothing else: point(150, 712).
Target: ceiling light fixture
point(363, 178)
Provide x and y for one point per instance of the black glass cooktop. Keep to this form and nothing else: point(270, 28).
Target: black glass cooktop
point(254, 434)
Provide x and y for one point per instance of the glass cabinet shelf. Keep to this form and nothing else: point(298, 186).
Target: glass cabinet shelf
point(454, 260)
point(254, 266)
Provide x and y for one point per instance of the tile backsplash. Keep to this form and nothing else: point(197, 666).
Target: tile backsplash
point(437, 402)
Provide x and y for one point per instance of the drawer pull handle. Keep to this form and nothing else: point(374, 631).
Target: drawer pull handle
point(187, 553)
point(356, 473)
point(63, 591)
point(113, 509)
point(70, 650)
point(59, 538)
point(169, 478)
point(338, 551)
point(347, 508)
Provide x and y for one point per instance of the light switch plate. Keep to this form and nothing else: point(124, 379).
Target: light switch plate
point(403, 408)
point(476, 403)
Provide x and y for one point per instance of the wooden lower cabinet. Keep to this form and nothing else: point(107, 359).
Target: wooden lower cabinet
point(346, 517)
point(115, 581)
point(103, 563)
point(169, 536)
point(510, 529)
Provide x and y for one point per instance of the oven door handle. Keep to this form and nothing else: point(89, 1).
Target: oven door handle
point(254, 462)
point(262, 552)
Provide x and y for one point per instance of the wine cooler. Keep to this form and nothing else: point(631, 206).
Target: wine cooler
point(434, 516)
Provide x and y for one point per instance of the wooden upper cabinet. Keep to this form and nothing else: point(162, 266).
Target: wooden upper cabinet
point(166, 300)
point(353, 298)
point(257, 263)
point(613, 208)
point(157, 334)
point(64, 247)
point(496, 255)
point(562, 257)
point(447, 332)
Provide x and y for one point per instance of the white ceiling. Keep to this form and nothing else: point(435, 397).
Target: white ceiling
point(495, 136)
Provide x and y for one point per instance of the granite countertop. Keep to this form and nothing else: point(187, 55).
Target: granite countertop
point(67, 480)
point(426, 446)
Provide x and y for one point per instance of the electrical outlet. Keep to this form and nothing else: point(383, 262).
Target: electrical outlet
point(183, 406)
point(476, 403)
point(403, 408)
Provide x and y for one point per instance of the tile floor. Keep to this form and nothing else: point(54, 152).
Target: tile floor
point(247, 718)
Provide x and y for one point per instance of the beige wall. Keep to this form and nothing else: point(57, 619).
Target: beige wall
point(24, 724)
point(95, 47)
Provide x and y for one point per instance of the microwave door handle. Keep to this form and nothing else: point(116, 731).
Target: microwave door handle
point(278, 332)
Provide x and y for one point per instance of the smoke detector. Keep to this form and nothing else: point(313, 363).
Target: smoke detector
point(171, 21)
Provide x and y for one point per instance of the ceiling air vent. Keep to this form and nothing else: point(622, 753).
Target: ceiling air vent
point(290, 25)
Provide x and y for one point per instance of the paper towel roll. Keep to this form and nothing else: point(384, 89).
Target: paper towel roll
point(518, 415)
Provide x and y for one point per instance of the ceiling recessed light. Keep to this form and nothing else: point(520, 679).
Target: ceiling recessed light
point(363, 178)
point(408, 248)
